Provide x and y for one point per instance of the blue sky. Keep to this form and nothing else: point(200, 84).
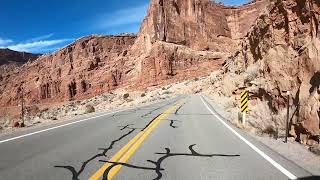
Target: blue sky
point(42, 26)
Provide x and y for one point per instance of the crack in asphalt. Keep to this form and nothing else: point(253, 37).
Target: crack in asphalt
point(160, 107)
point(172, 121)
point(178, 109)
point(158, 168)
point(76, 174)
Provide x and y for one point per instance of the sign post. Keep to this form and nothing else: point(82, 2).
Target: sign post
point(244, 105)
point(287, 121)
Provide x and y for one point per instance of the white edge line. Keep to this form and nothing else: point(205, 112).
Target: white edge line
point(266, 157)
point(63, 125)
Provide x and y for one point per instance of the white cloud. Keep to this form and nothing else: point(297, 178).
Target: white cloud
point(123, 17)
point(39, 38)
point(4, 42)
point(37, 46)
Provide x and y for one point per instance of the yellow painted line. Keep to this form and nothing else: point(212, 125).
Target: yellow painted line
point(129, 149)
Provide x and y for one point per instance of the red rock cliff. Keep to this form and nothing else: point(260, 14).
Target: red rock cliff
point(284, 43)
point(178, 39)
point(83, 69)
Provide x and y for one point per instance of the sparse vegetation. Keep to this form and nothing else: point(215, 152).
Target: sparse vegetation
point(252, 73)
point(271, 131)
point(89, 109)
point(315, 150)
point(126, 96)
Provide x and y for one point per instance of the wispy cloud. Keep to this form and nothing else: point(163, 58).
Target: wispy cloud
point(122, 17)
point(37, 46)
point(40, 38)
point(4, 42)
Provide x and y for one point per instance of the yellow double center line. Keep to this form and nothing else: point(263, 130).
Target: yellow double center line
point(129, 149)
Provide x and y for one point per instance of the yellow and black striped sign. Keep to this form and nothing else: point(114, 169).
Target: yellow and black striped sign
point(244, 101)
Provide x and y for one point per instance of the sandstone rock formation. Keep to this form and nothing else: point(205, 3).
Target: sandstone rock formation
point(270, 45)
point(284, 45)
point(178, 40)
point(83, 69)
point(181, 39)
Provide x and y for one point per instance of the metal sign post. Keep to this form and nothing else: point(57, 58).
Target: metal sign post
point(244, 105)
point(288, 113)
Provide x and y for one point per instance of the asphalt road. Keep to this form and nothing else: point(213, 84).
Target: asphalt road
point(182, 138)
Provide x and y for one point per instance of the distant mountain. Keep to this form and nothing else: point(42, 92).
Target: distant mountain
point(8, 56)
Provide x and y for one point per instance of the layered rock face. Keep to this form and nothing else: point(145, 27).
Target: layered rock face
point(284, 45)
point(271, 45)
point(193, 37)
point(240, 19)
point(83, 69)
point(193, 23)
point(178, 40)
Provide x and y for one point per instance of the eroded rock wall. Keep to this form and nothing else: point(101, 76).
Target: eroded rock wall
point(180, 39)
point(284, 43)
point(85, 68)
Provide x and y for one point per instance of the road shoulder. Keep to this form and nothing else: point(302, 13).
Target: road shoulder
point(301, 167)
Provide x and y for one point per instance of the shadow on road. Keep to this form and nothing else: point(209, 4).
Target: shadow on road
point(158, 168)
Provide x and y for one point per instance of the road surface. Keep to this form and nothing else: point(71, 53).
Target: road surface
point(183, 138)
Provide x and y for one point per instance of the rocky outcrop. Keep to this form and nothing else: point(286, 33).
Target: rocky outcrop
point(178, 40)
point(181, 39)
point(241, 18)
point(198, 24)
point(82, 69)
point(284, 45)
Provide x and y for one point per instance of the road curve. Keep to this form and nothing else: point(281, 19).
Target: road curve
point(183, 138)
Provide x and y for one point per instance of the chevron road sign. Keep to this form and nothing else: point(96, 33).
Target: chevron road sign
point(244, 101)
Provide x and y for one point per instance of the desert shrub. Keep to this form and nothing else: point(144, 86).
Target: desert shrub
point(271, 131)
point(89, 109)
point(215, 77)
point(126, 96)
point(252, 73)
point(143, 95)
point(315, 150)
point(279, 120)
point(167, 92)
point(44, 110)
point(196, 79)
point(260, 116)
